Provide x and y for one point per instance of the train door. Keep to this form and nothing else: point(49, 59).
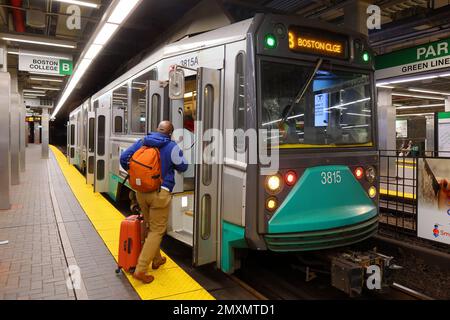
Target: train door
point(90, 165)
point(207, 170)
point(102, 133)
point(157, 104)
point(73, 139)
point(67, 143)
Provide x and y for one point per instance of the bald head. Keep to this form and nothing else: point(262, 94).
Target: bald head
point(165, 127)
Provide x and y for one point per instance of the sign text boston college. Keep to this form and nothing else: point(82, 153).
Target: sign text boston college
point(426, 57)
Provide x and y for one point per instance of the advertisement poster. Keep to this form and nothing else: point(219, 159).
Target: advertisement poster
point(444, 134)
point(320, 110)
point(401, 127)
point(433, 213)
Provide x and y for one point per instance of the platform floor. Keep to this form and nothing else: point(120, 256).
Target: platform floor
point(57, 223)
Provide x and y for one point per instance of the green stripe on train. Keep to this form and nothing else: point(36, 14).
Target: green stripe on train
point(318, 204)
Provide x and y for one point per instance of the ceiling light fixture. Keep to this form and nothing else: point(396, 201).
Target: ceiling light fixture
point(80, 3)
point(36, 40)
point(33, 91)
point(422, 106)
point(383, 86)
point(45, 79)
point(429, 91)
point(416, 96)
point(105, 30)
point(47, 88)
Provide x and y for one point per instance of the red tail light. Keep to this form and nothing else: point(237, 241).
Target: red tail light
point(290, 178)
point(359, 173)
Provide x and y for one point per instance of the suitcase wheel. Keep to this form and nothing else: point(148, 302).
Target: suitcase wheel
point(118, 270)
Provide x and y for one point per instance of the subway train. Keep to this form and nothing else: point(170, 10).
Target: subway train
point(299, 171)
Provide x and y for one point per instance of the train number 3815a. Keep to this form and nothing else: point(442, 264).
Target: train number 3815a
point(331, 177)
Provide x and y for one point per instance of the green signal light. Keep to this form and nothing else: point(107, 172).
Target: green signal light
point(366, 56)
point(270, 41)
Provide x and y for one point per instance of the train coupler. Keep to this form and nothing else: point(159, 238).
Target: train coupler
point(354, 272)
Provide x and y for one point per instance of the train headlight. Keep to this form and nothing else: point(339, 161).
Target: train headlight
point(372, 192)
point(359, 172)
point(271, 204)
point(371, 174)
point(273, 183)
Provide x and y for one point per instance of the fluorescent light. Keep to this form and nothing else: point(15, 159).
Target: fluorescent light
point(416, 96)
point(80, 3)
point(33, 91)
point(47, 88)
point(122, 10)
point(357, 114)
point(34, 95)
point(413, 79)
point(430, 91)
point(422, 106)
point(347, 104)
point(93, 51)
point(383, 86)
point(44, 43)
point(105, 33)
point(45, 79)
point(415, 114)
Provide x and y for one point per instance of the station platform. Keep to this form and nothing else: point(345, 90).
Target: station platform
point(58, 224)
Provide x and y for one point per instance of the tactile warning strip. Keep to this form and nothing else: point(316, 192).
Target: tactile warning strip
point(171, 282)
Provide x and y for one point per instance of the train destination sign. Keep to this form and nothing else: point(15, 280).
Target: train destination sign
point(317, 42)
point(430, 56)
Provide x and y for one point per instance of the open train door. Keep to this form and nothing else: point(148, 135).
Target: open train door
point(206, 210)
point(102, 132)
point(90, 165)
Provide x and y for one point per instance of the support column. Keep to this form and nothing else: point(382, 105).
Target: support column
point(5, 159)
point(37, 132)
point(447, 104)
point(386, 127)
point(44, 121)
point(15, 130)
point(355, 16)
point(23, 135)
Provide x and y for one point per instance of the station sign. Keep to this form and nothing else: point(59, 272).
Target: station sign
point(45, 65)
point(431, 56)
point(433, 199)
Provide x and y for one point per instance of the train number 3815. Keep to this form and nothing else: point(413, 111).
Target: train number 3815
point(331, 177)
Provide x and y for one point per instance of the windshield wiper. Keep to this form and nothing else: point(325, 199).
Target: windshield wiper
point(302, 91)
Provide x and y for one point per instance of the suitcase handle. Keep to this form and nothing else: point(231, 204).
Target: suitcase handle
point(129, 245)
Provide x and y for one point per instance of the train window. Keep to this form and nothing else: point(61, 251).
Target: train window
point(139, 101)
point(335, 111)
point(205, 220)
point(239, 102)
point(208, 113)
point(100, 173)
point(72, 134)
point(120, 109)
point(91, 126)
point(91, 164)
point(155, 111)
point(95, 104)
point(101, 136)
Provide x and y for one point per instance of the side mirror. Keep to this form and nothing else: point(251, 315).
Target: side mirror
point(176, 84)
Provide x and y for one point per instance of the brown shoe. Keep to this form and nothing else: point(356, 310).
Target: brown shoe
point(159, 264)
point(145, 278)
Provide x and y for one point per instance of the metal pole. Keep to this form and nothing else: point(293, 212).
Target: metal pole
point(15, 129)
point(44, 122)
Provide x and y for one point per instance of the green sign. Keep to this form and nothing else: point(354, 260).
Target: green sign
point(65, 67)
point(430, 56)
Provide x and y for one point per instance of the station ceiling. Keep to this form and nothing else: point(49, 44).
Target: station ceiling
point(404, 23)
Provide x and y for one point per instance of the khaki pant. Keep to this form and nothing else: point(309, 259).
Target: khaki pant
point(155, 209)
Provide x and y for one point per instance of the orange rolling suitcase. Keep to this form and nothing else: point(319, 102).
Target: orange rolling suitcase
point(130, 243)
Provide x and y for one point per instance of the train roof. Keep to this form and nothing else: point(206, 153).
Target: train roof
point(231, 33)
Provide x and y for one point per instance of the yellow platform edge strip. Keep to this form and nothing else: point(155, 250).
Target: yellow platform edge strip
point(171, 282)
point(397, 194)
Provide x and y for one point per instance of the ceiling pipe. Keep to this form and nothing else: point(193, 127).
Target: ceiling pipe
point(19, 21)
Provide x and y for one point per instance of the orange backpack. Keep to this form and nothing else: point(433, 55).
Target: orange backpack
point(145, 170)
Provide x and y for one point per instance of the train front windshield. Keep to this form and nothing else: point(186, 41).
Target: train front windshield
point(336, 109)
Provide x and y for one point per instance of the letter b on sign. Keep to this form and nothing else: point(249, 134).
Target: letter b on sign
point(65, 67)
